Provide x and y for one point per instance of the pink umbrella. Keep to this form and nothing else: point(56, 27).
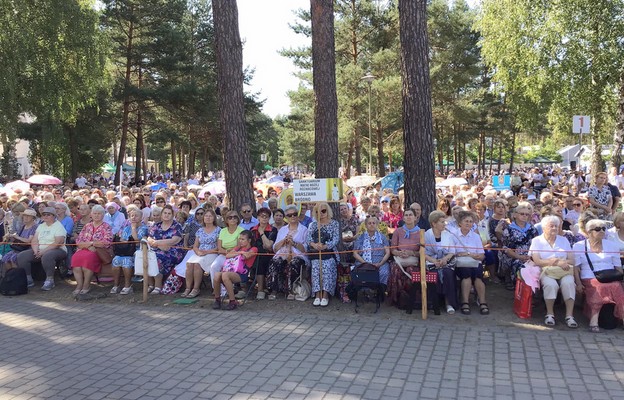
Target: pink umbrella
point(43, 180)
point(21, 185)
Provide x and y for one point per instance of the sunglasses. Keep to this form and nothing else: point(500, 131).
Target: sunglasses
point(324, 210)
point(160, 201)
point(577, 205)
point(197, 213)
point(524, 214)
point(291, 215)
point(232, 217)
point(46, 214)
point(600, 229)
point(245, 211)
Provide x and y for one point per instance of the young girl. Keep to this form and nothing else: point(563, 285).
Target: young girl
point(248, 253)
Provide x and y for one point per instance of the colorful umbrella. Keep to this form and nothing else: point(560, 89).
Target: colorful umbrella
point(21, 185)
point(361, 181)
point(43, 180)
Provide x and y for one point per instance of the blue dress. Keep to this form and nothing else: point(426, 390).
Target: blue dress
point(330, 236)
point(167, 260)
point(378, 246)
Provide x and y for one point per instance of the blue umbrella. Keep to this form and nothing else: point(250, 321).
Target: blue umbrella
point(275, 178)
point(393, 180)
point(158, 186)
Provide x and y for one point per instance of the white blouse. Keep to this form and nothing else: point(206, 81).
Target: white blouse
point(609, 257)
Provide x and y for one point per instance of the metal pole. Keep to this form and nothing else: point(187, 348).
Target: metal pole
point(370, 133)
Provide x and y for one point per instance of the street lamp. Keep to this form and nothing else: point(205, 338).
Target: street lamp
point(369, 78)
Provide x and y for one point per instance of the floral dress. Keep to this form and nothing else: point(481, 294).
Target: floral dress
point(125, 235)
point(518, 239)
point(86, 258)
point(600, 196)
point(167, 260)
point(330, 236)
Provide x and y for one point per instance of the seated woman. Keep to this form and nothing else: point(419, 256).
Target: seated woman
point(375, 211)
point(162, 237)
point(97, 234)
point(516, 241)
point(114, 217)
point(205, 251)
point(228, 239)
point(323, 237)
point(405, 246)
point(553, 254)
point(592, 255)
point(440, 256)
point(372, 247)
point(132, 232)
point(289, 259)
point(20, 241)
point(248, 253)
point(394, 215)
point(469, 269)
point(264, 236)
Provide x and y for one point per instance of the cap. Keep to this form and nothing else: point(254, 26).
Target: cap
point(49, 210)
point(385, 199)
point(30, 211)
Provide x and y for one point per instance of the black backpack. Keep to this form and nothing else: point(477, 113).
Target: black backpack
point(14, 282)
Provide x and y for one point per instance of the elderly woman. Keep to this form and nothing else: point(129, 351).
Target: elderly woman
point(114, 217)
point(64, 216)
point(516, 240)
point(372, 247)
point(616, 233)
point(228, 239)
point(289, 260)
point(20, 241)
point(162, 237)
point(440, 256)
point(395, 214)
point(375, 211)
point(323, 237)
point(205, 252)
point(47, 246)
point(469, 269)
point(599, 195)
point(405, 246)
point(593, 255)
point(132, 232)
point(97, 234)
point(553, 254)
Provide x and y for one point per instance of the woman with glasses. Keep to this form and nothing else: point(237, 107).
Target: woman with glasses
point(552, 252)
point(516, 240)
point(134, 231)
point(163, 236)
point(228, 240)
point(599, 195)
point(47, 246)
point(597, 254)
point(263, 238)
point(205, 251)
point(323, 237)
point(290, 259)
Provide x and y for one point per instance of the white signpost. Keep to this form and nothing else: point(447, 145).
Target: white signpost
point(580, 125)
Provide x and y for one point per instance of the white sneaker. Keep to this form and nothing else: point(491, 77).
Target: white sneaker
point(316, 302)
point(324, 302)
point(47, 285)
point(240, 295)
point(450, 310)
point(114, 290)
point(260, 296)
point(127, 290)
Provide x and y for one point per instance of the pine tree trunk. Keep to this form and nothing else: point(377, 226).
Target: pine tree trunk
point(229, 49)
point(513, 149)
point(618, 135)
point(126, 105)
point(324, 82)
point(358, 152)
point(73, 151)
point(350, 158)
point(417, 116)
point(138, 158)
point(380, 154)
point(174, 158)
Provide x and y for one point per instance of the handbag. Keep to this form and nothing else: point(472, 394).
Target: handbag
point(152, 263)
point(16, 246)
point(105, 254)
point(234, 264)
point(301, 287)
point(604, 275)
point(556, 272)
point(173, 284)
point(467, 262)
point(122, 248)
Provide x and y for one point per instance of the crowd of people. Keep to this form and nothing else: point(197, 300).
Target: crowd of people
point(565, 223)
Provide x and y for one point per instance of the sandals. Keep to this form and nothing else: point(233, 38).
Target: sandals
point(594, 329)
point(483, 309)
point(193, 293)
point(465, 308)
point(186, 293)
point(571, 322)
point(156, 290)
point(550, 320)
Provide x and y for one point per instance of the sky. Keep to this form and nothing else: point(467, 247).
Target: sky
point(264, 30)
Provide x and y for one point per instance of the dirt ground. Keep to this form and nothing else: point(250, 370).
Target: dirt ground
point(500, 302)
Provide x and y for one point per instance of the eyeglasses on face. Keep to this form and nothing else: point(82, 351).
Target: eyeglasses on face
point(324, 210)
point(578, 204)
point(524, 214)
point(599, 229)
point(199, 213)
point(245, 211)
point(290, 215)
point(232, 217)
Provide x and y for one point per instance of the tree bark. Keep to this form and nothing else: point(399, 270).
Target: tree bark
point(417, 115)
point(229, 49)
point(139, 135)
point(324, 82)
point(173, 158)
point(126, 105)
point(380, 152)
point(618, 135)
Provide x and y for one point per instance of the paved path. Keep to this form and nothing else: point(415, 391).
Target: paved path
point(56, 350)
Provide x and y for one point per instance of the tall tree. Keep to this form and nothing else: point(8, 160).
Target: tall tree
point(324, 78)
point(238, 174)
point(417, 115)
